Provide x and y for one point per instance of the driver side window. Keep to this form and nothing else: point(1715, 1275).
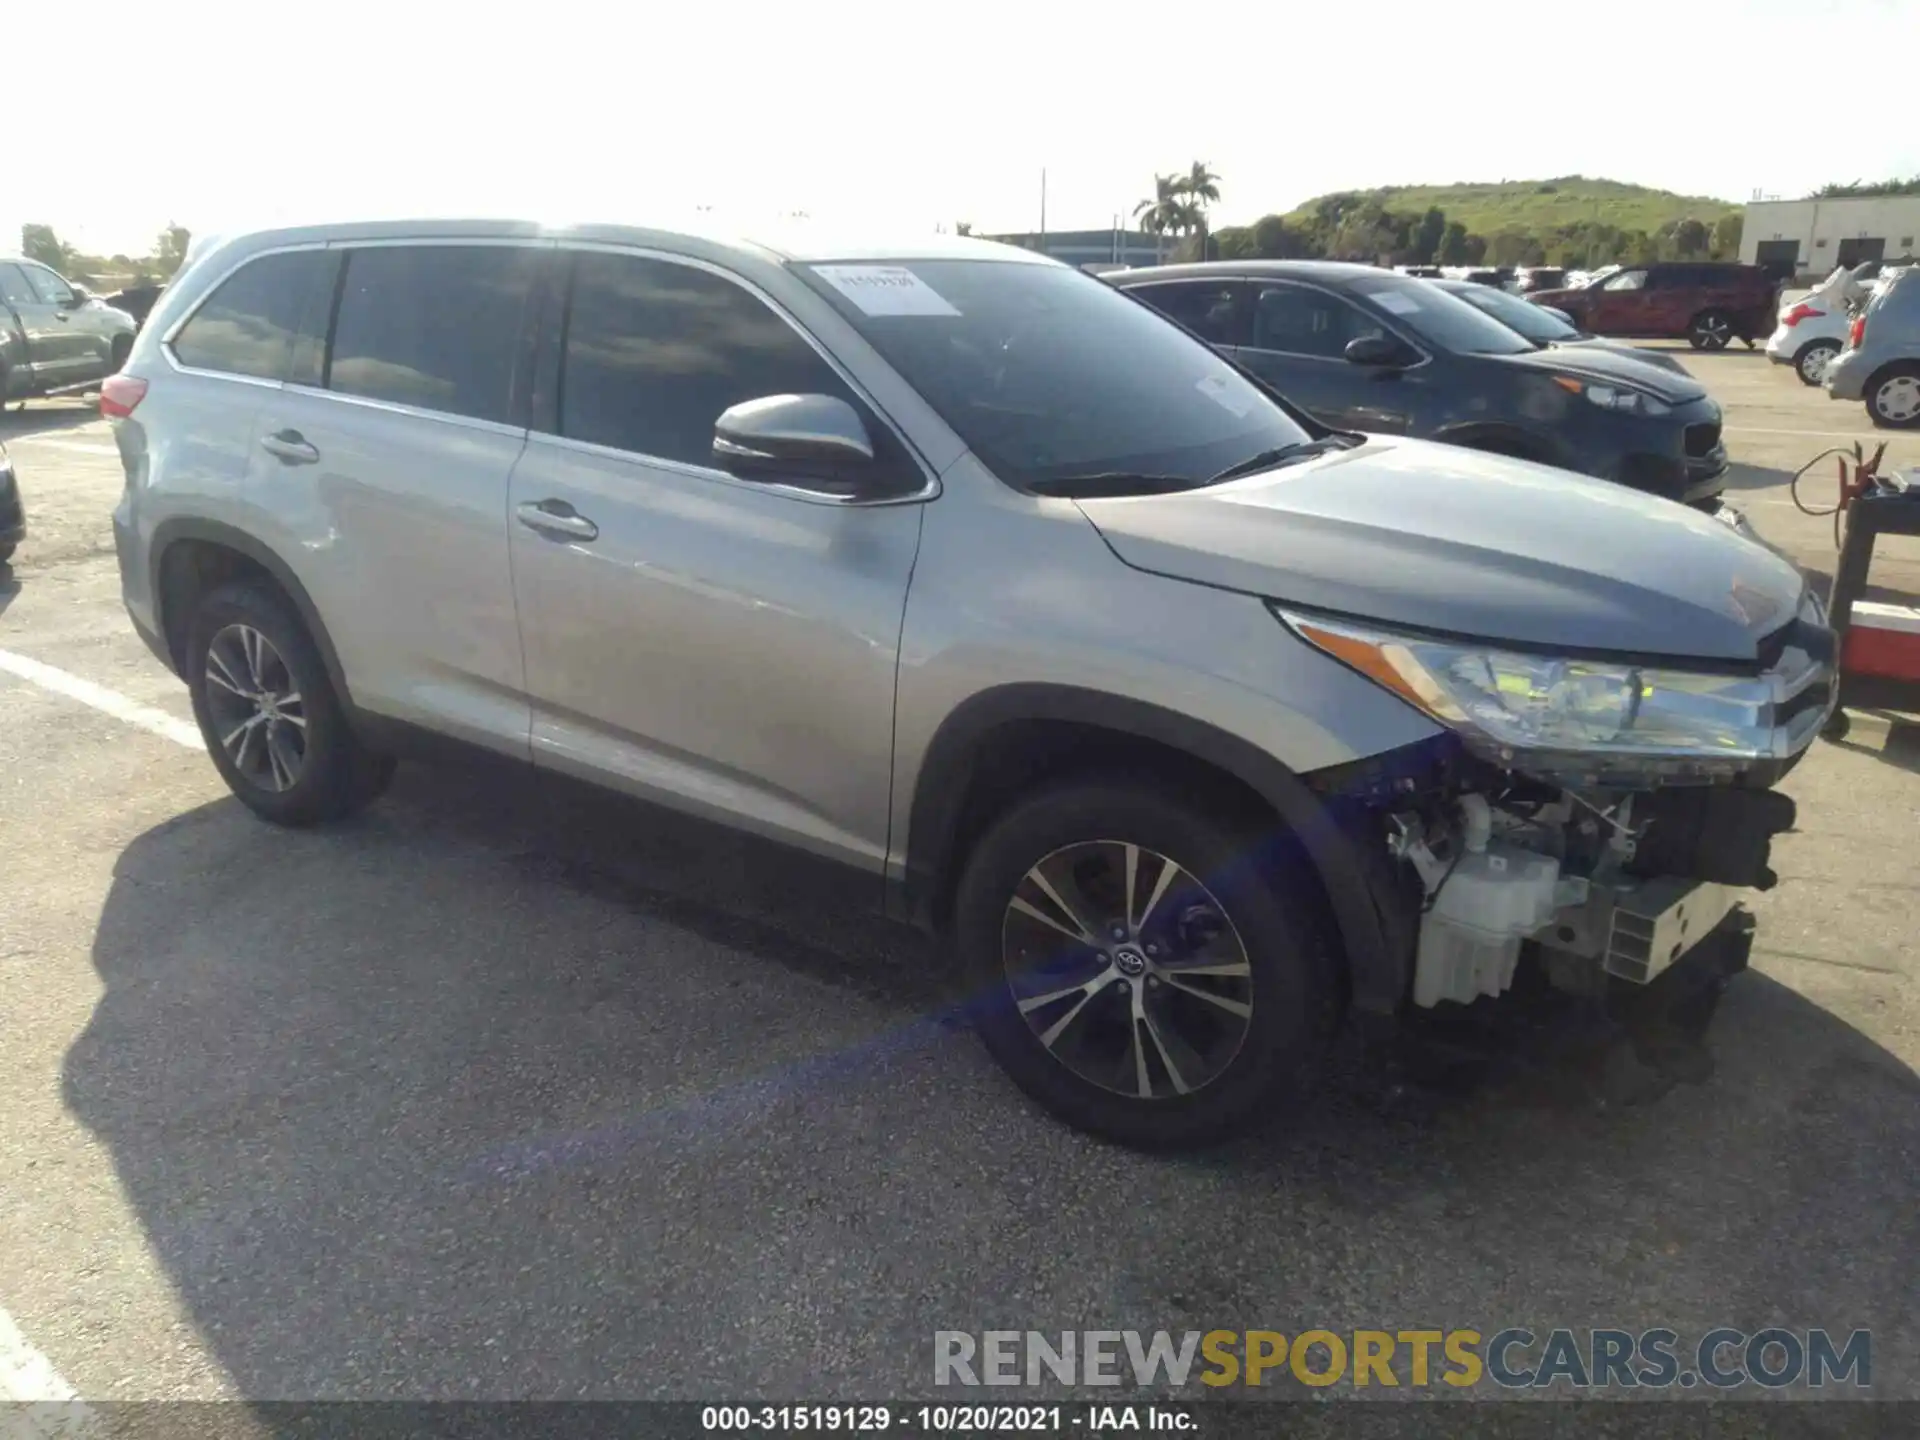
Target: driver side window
point(1626, 280)
point(1293, 320)
point(51, 289)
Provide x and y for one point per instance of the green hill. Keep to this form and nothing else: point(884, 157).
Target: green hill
point(1536, 207)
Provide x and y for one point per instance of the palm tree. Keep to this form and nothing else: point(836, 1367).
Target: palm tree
point(1200, 187)
point(1163, 215)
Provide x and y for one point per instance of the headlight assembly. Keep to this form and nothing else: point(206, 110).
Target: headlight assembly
point(1614, 397)
point(1555, 715)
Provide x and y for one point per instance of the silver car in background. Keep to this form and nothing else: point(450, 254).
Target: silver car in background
point(1196, 726)
point(1881, 363)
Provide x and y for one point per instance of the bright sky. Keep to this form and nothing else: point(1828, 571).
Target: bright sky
point(904, 116)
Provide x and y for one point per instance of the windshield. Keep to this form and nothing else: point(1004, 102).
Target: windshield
point(1516, 314)
point(1048, 374)
point(1439, 318)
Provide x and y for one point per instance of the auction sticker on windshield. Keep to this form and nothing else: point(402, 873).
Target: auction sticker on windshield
point(885, 289)
point(1227, 397)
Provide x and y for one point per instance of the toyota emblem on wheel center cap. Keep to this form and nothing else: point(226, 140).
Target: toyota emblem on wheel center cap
point(1129, 961)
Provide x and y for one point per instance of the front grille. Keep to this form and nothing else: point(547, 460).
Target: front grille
point(1701, 438)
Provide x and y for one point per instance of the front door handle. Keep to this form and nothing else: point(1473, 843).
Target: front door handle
point(291, 447)
point(556, 518)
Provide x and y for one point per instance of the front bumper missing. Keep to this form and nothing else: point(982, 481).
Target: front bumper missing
point(1637, 931)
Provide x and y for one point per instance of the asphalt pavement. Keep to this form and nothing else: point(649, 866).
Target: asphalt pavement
point(499, 1093)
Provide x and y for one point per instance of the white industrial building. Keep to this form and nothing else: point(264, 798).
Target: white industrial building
point(1816, 235)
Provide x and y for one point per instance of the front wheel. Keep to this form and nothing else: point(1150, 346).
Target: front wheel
point(1893, 397)
point(272, 722)
point(1138, 968)
point(1810, 362)
point(1710, 330)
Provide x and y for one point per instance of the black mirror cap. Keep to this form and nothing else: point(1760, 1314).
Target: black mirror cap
point(1375, 350)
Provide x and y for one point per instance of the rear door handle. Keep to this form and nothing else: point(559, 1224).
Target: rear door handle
point(291, 447)
point(556, 518)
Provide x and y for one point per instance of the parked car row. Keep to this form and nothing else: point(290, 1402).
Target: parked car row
point(1197, 721)
point(1707, 304)
point(1364, 349)
point(53, 334)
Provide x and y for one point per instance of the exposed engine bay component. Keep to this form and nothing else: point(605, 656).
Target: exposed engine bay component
point(1606, 885)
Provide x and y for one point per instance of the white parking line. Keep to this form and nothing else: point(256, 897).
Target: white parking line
point(42, 1405)
point(107, 702)
point(1810, 434)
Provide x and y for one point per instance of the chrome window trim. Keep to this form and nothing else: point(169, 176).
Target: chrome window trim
point(929, 490)
point(397, 407)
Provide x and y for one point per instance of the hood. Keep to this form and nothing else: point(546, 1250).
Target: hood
point(1558, 297)
point(1604, 363)
point(1658, 359)
point(1433, 537)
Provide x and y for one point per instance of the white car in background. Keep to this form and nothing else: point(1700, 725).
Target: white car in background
point(1813, 329)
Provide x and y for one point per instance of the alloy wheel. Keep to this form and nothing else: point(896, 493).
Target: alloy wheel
point(1714, 332)
point(1898, 399)
point(1814, 362)
point(258, 716)
point(1127, 969)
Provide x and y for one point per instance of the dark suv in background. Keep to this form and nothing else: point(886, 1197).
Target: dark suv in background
point(1364, 349)
point(1707, 305)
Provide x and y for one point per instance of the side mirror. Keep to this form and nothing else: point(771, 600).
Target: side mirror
point(792, 437)
point(1374, 350)
point(76, 297)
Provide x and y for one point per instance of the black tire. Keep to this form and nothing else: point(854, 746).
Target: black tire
point(1893, 381)
point(122, 347)
point(6, 551)
point(337, 774)
point(1837, 726)
point(1710, 330)
point(1289, 985)
point(1815, 355)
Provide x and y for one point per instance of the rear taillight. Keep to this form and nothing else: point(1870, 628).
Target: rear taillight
point(1798, 313)
point(119, 394)
point(1856, 332)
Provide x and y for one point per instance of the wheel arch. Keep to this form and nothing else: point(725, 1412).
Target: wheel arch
point(176, 542)
point(990, 731)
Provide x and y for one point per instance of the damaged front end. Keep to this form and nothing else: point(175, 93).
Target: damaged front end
point(1577, 838)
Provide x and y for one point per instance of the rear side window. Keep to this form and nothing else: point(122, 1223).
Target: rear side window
point(433, 326)
point(249, 323)
point(1210, 309)
point(656, 350)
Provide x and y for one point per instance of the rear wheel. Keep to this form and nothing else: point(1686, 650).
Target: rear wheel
point(1710, 330)
point(1137, 969)
point(1811, 360)
point(272, 722)
point(1893, 397)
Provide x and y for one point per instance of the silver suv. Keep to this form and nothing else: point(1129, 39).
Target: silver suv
point(1196, 725)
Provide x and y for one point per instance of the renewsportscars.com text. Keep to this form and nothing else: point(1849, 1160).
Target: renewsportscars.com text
point(1517, 1358)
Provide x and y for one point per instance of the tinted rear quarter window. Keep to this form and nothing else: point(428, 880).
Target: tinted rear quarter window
point(438, 327)
point(1213, 310)
point(656, 351)
point(248, 325)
